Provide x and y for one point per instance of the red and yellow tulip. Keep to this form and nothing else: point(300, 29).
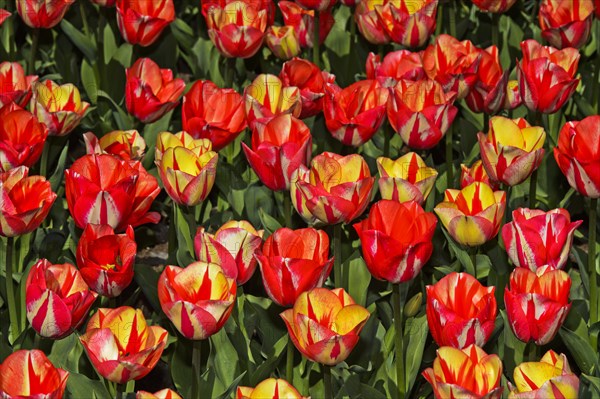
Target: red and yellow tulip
point(409, 23)
point(395, 66)
point(22, 138)
point(476, 173)
point(29, 374)
point(162, 394)
point(15, 86)
point(283, 41)
point(494, 6)
point(303, 22)
point(270, 388)
point(167, 140)
point(407, 178)
point(128, 145)
point(44, 14)
point(369, 24)
point(267, 97)
point(142, 22)
point(566, 23)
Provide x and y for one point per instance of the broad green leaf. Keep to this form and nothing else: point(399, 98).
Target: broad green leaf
point(82, 42)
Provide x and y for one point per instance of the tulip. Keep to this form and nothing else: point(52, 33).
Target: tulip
point(279, 148)
point(303, 22)
point(310, 80)
point(537, 303)
point(22, 138)
point(336, 189)
point(267, 97)
point(292, 262)
point(476, 173)
point(234, 244)
point(25, 201)
point(4, 16)
point(472, 215)
point(407, 178)
point(536, 238)
point(209, 112)
point(317, 5)
point(369, 23)
point(197, 299)
point(460, 311)
point(106, 259)
point(128, 145)
point(151, 92)
point(578, 155)
point(267, 5)
point(162, 394)
point(57, 298)
point(396, 240)
point(469, 373)
point(396, 66)
point(546, 76)
point(270, 388)
point(103, 189)
point(407, 22)
point(42, 13)
point(511, 150)
point(283, 41)
point(354, 114)
point(168, 140)
point(566, 23)
point(550, 378)
point(494, 6)
point(421, 112)
point(59, 107)
point(453, 64)
point(188, 175)
point(237, 29)
point(29, 374)
point(120, 344)
point(15, 87)
point(324, 324)
point(142, 22)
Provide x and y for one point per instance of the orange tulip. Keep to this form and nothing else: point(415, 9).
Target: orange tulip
point(29, 374)
point(270, 388)
point(22, 138)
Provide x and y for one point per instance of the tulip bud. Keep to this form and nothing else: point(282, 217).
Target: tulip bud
point(413, 305)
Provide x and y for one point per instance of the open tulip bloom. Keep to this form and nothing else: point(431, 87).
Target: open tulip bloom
point(29, 374)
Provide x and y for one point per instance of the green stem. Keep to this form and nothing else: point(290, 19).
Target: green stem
point(130, 387)
point(386, 141)
point(172, 235)
point(593, 275)
point(287, 209)
point(35, 38)
point(398, 305)
point(452, 18)
point(440, 18)
point(10, 289)
point(337, 255)
point(44, 160)
point(474, 260)
point(532, 189)
point(533, 352)
point(289, 362)
point(449, 160)
point(86, 28)
point(596, 83)
point(486, 122)
point(495, 33)
point(230, 71)
point(327, 382)
point(316, 37)
point(196, 369)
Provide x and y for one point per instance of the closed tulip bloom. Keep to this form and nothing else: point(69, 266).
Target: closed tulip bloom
point(407, 178)
point(234, 243)
point(396, 66)
point(369, 23)
point(537, 303)
point(578, 155)
point(103, 189)
point(396, 240)
point(270, 388)
point(336, 189)
point(59, 107)
point(566, 23)
point(324, 324)
point(25, 201)
point(317, 5)
point(279, 148)
point(198, 299)
point(294, 261)
point(30, 374)
point(283, 41)
point(310, 80)
point(494, 6)
point(128, 145)
point(121, 345)
point(22, 138)
point(472, 215)
point(476, 173)
point(303, 22)
point(511, 150)
point(550, 378)
point(460, 311)
point(407, 22)
point(42, 13)
point(421, 112)
point(15, 86)
point(141, 22)
point(469, 373)
point(168, 140)
point(546, 76)
point(151, 92)
point(267, 5)
point(536, 238)
point(354, 114)
point(237, 29)
point(267, 97)
point(209, 112)
point(57, 298)
point(162, 394)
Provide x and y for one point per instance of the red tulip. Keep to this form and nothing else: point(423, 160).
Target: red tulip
point(421, 112)
point(103, 189)
point(22, 138)
point(128, 145)
point(495, 6)
point(310, 80)
point(578, 155)
point(29, 374)
point(292, 262)
point(396, 66)
point(537, 303)
point(4, 15)
point(566, 23)
point(536, 238)
point(15, 87)
point(369, 23)
point(354, 114)
point(57, 299)
point(396, 240)
point(546, 76)
point(279, 147)
point(141, 21)
point(25, 201)
point(267, 97)
point(209, 112)
point(317, 5)
point(407, 22)
point(303, 22)
point(151, 92)
point(476, 173)
point(460, 311)
point(42, 13)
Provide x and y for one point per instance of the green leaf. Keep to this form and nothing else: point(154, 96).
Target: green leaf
point(268, 222)
point(66, 353)
point(110, 44)
point(224, 358)
point(415, 338)
point(81, 41)
point(147, 278)
point(585, 356)
point(88, 79)
point(80, 386)
point(359, 278)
